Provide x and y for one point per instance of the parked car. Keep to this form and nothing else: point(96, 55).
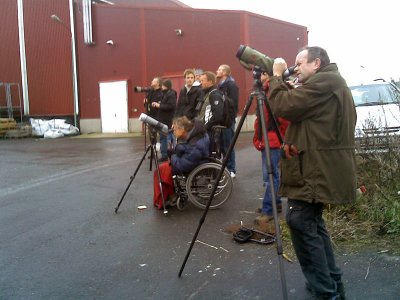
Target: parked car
point(378, 113)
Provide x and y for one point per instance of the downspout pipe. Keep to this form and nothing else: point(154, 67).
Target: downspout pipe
point(74, 63)
point(22, 54)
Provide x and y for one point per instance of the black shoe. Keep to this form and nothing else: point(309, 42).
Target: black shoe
point(339, 290)
point(309, 287)
point(171, 200)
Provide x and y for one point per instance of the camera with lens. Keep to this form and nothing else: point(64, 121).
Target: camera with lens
point(161, 127)
point(249, 57)
point(142, 89)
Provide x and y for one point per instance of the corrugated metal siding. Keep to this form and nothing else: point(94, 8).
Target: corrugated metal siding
point(145, 46)
point(48, 56)
point(10, 70)
point(103, 62)
point(276, 38)
point(148, 3)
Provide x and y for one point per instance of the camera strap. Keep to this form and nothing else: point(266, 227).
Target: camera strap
point(274, 123)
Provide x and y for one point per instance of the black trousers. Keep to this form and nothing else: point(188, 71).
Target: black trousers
point(313, 246)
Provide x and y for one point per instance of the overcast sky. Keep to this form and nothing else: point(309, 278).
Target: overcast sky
point(362, 37)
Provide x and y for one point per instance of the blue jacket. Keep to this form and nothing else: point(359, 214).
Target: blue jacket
point(192, 152)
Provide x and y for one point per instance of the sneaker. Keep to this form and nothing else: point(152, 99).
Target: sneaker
point(263, 219)
point(233, 174)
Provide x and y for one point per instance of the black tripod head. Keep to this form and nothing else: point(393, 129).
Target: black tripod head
point(257, 83)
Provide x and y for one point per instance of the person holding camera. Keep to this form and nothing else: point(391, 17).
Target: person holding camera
point(166, 110)
point(191, 150)
point(190, 97)
point(154, 95)
point(318, 167)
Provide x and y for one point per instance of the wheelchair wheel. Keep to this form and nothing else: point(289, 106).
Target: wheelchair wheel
point(201, 181)
point(181, 203)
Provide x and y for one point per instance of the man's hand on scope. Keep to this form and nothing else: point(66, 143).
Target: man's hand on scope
point(279, 67)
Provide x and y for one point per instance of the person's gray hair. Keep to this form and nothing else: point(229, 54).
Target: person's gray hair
point(183, 122)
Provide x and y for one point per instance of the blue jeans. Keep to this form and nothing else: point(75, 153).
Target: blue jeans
point(226, 139)
point(166, 141)
point(267, 202)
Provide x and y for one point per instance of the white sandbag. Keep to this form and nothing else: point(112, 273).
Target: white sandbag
point(54, 128)
point(53, 134)
point(39, 127)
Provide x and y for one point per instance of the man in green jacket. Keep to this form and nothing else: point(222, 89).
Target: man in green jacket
point(318, 167)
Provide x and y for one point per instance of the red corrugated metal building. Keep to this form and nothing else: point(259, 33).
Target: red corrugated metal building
point(127, 43)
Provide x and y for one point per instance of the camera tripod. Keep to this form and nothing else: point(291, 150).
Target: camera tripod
point(153, 156)
point(261, 100)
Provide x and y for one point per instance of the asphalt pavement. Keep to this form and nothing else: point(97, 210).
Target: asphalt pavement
point(61, 239)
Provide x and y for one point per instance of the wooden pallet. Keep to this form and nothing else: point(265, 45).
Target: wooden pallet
point(7, 124)
point(19, 133)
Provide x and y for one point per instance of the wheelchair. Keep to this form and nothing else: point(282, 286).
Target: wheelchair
point(198, 184)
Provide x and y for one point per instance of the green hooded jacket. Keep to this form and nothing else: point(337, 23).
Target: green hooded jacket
point(322, 120)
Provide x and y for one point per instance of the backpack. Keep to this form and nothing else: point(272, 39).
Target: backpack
point(229, 113)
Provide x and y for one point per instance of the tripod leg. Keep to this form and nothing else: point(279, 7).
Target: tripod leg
point(153, 149)
point(153, 141)
point(260, 103)
point(144, 126)
point(224, 163)
point(132, 177)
